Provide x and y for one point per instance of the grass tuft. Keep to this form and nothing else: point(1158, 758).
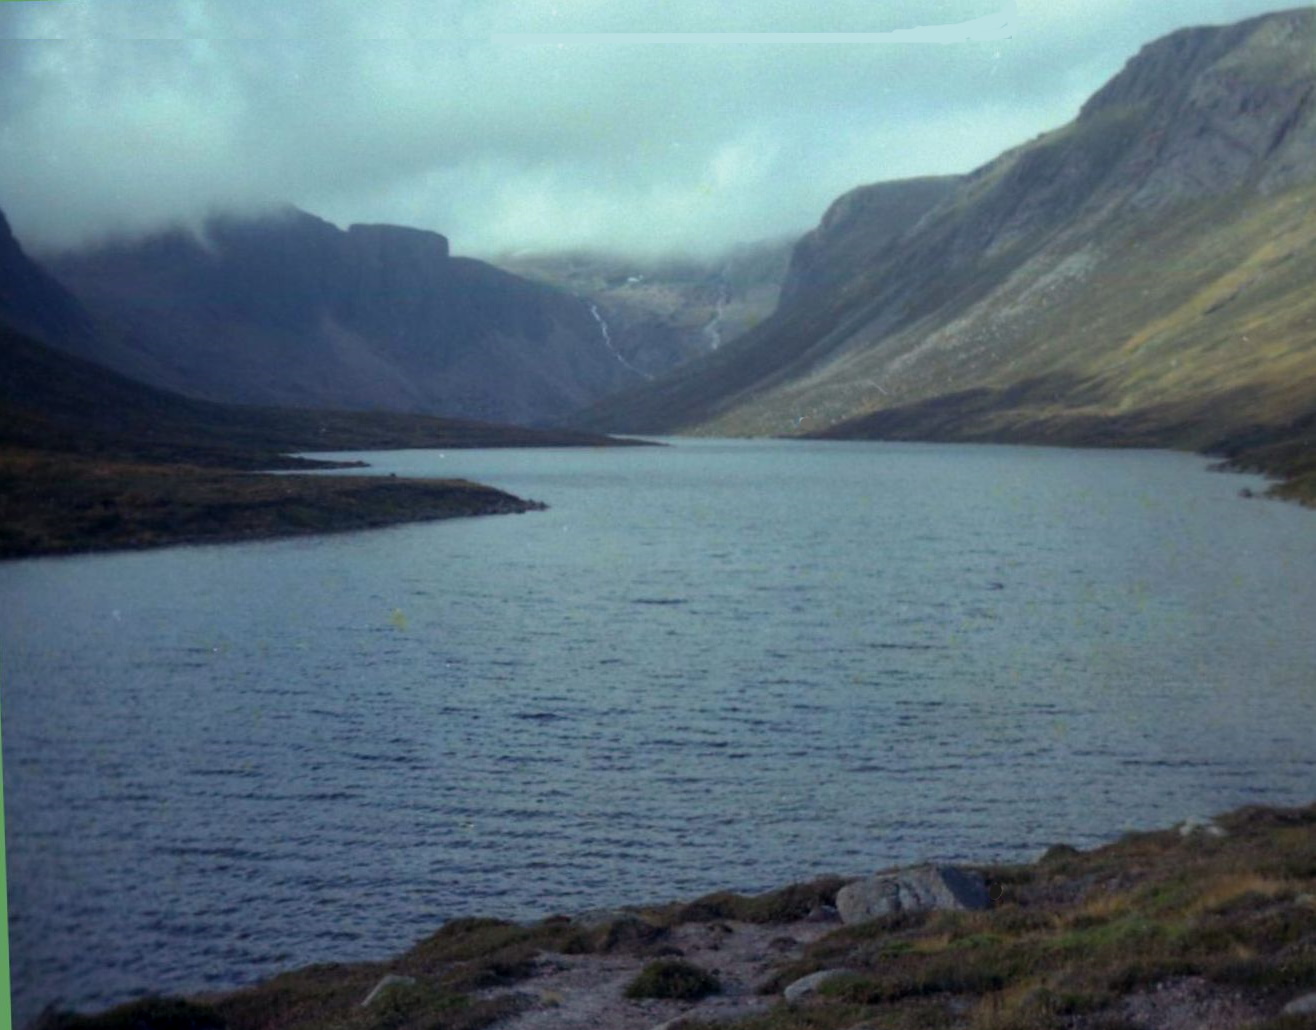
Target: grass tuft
point(673, 979)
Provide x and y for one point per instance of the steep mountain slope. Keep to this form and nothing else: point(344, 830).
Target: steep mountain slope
point(31, 301)
point(1141, 275)
point(56, 402)
point(93, 460)
point(661, 314)
point(287, 309)
point(53, 400)
point(776, 349)
point(857, 228)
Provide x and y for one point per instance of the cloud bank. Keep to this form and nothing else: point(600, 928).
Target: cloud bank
point(536, 124)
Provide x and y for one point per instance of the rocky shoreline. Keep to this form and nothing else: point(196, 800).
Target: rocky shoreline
point(1208, 925)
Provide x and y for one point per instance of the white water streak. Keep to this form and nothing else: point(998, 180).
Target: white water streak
point(712, 330)
point(607, 342)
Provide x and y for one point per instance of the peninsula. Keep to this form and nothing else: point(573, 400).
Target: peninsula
point(92, 461)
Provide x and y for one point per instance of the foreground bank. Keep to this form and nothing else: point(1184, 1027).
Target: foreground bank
point(1210, 924)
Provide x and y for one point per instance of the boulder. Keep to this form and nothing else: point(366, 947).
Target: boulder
point(1306, 1005)
point(810, 984)
point(1198, 824)
point(912, 890)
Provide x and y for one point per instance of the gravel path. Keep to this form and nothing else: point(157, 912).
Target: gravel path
point(576, 992)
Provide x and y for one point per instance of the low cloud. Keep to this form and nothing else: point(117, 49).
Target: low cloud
point(530, 126)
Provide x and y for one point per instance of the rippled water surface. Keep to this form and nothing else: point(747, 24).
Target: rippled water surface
point(710, 665)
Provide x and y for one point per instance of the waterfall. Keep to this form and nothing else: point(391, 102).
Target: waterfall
point(607, 342)
point(712, 330)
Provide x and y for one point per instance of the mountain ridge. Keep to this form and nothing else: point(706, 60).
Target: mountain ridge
point(1144, 260)
point(286, 309)
point(91, 459)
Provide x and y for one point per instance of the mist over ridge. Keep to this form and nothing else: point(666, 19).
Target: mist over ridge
point(464, 121)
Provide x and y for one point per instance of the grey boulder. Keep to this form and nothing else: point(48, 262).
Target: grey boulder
point(810, 984)
point(912, 890)
point(1306, 1005)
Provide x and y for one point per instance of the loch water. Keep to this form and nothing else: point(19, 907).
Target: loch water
point(711, 665)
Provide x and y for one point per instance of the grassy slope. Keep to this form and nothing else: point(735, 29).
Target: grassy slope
point(1066, 942)
point(1196, 331)
point(1157, 315)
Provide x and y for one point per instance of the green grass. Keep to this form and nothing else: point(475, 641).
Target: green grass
point(1082, 929)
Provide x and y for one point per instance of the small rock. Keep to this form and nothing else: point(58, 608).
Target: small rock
point(823, 914)
point(1197, 824)
point(392, 980)
point(912, 890)
point(1303, 1006)
point(810, 984)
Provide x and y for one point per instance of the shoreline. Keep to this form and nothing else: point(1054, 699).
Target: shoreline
point(61, 504)
point(1210, 925)
point(54, 505)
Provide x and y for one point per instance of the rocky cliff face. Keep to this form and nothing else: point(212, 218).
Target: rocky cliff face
point(1148, 263)
point(288, 310)
point(859, 226)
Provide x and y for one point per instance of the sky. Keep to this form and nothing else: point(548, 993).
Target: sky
point(642, 127)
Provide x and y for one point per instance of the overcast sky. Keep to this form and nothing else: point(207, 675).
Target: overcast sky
point(632, 125)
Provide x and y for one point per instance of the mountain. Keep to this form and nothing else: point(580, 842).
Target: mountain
point(1139, 276)
point(286, 309)
point(32, 301)
point(92, 460)
point(858, 227)
point(660, 314)
point(775, 348)
point(53, 400)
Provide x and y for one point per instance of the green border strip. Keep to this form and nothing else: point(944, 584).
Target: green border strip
point(6, 1002)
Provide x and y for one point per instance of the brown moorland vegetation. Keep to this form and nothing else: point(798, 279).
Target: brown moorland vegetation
point(1212, 927)
point(58, 504)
